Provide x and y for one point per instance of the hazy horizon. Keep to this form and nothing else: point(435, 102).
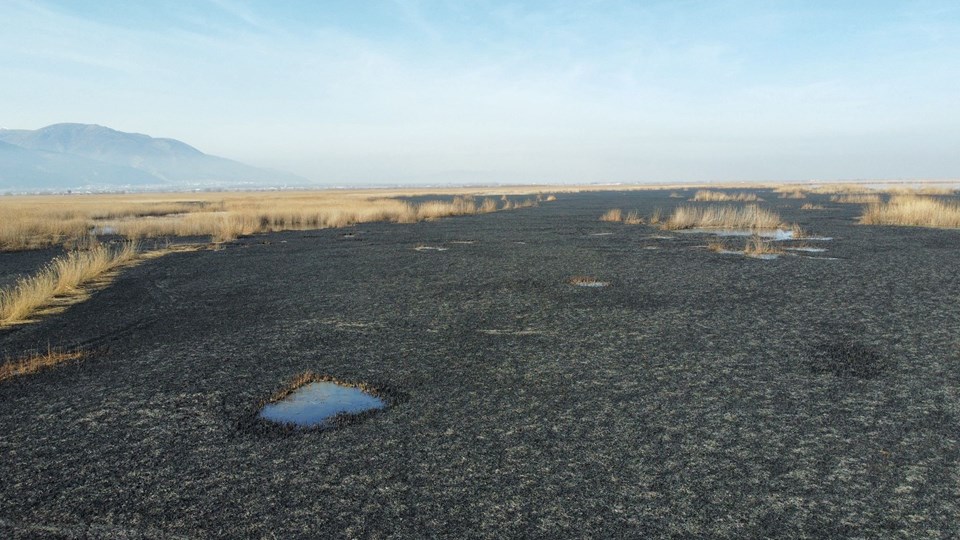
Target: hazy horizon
point(496, 92)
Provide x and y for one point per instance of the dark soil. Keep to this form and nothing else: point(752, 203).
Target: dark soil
point(699, 395)
point(15, 265)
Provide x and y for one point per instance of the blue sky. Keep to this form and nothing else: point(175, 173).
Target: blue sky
point(405, 91)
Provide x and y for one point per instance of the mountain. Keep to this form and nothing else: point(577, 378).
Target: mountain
point(71, 156)
point(35, 170)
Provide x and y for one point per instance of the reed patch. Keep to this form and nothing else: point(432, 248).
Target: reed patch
point(749, 217)
point(913, 211)
point(32, 222)
point(721, 196)
point(614, 215)
point(69, 279)
point(863, 198)
point(36, 362)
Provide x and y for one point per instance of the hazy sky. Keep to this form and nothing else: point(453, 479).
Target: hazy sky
point(360, 91)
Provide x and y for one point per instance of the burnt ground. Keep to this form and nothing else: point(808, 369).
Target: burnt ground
point(700, 394)
point(20, 264)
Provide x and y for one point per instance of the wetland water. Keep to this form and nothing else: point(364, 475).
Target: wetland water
point(314, 404)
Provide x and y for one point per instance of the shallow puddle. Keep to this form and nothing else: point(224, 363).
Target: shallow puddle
point(772, 234)
point(314, 404)
point(776, 235)
point(430, 248)
point(807, 249)
point(589, 283)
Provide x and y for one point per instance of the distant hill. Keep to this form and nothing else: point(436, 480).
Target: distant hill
point(77, 156)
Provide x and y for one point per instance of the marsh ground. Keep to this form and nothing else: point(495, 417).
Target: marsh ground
point(700, 394)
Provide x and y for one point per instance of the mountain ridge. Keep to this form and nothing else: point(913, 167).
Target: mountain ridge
point(77, 156)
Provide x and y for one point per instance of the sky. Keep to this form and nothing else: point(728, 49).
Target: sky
point(432, 92)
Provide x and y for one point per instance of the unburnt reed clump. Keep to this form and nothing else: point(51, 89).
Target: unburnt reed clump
point(40, 221)
point(656, 218)
point(488, 205)
point(865, 198)
point(459, 206)
point(64, 276)
point(614, 215)
point(757, 246)
point(253, 218)
point(750, 217)
point(789, 188)
point(919, 190)
point(551, 198)
point(633, 218)
point(515, 205)
point(913, 211)
point(811, 206)
point(718, 246)
point(849, 189)
point(719, 196)
point(36, 362)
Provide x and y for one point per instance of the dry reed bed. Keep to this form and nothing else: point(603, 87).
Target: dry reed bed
point(61, 282)
point(616, 215)
point(633, 218)
point(861, 189)
point(828, 189)
point(756, 246)
point(33, 363)
point(866, 198)
point(923, 190)
point(749, 217)
point(719, 196)
point(914, 211)
point(41, 221)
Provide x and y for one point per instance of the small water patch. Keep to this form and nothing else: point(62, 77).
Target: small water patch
point(806, 249)
point(584, 281)
point(601, 234)
point(778, 235)
point(430, 248)
point(316, 404)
